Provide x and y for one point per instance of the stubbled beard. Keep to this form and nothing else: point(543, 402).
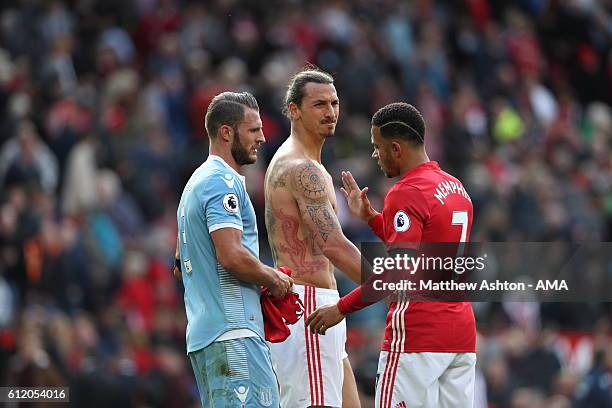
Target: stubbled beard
point(385, 170)
point(330, 133)
point(239, 153)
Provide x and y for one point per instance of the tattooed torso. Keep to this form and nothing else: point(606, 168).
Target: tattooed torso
point(300, 200)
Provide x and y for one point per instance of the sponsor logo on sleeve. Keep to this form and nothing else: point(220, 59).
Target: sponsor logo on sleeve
point(401, 221)
point(230, 203)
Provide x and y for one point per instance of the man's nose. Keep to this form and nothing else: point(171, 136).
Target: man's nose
point(330, 112)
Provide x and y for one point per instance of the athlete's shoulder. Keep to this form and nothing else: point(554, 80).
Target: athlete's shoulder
point(296, 165)
point(427, 178)
point(286, 163)
point(307, 178)
point(285, 152)
point(283, 159)
point(404, 194)
point(286, 156)
point(281, 173)
point(224, 182)
point(214, 182)
point(410, 184)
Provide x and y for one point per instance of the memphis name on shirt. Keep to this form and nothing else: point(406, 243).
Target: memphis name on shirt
point(447, 187)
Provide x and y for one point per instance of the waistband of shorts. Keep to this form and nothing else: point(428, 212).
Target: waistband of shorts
point(322, 291)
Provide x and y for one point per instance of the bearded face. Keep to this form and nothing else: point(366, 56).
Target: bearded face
point(242, 154)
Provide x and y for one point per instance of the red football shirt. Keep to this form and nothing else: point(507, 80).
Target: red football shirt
point(426, 205)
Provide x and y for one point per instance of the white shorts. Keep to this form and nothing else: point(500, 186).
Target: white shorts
point(425, 380)
point(309, 366)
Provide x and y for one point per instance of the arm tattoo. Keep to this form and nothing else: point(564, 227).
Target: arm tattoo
point(270, 219)
point(278, 176)
point(310, 182)
point(271, 227)
point(314, 247)
point(280, 180)
point(310, 185)
point(323, 219)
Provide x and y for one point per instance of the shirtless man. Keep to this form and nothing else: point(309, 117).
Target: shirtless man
point(305, 235)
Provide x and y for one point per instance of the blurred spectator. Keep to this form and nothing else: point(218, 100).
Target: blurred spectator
point(26, 160)
point(596, 388)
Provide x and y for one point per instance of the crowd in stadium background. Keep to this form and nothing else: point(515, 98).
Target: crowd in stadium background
point(101, 123)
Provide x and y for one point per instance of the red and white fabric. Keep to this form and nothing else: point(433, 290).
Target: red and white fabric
point(426, 205)
point(425, 380)
point(309, 366)
point(428, 353)
point(278, 314)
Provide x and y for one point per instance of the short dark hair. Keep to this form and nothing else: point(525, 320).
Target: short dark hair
point(227, 108)
point(295, 89)
point(400, 120)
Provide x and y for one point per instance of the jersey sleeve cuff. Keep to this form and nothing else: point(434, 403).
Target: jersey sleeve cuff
point(376, 224)
point(342, 306)
point(215, 227)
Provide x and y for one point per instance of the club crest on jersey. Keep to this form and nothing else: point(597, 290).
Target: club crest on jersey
point(265, 397)
point(401, 221)
point(230, 203)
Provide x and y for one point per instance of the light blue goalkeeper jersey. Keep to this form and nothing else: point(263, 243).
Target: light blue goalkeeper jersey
point(215, 301)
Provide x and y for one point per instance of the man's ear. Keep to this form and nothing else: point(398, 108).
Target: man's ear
point(294, 111)
point(397, 148)
point(226, 133)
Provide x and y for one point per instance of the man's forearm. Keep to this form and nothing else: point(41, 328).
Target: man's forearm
point(344, 256)
point(352, 302)
point(246, 267)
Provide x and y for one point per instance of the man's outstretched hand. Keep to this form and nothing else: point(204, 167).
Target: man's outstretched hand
point(356, 198)
point(323, 318)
